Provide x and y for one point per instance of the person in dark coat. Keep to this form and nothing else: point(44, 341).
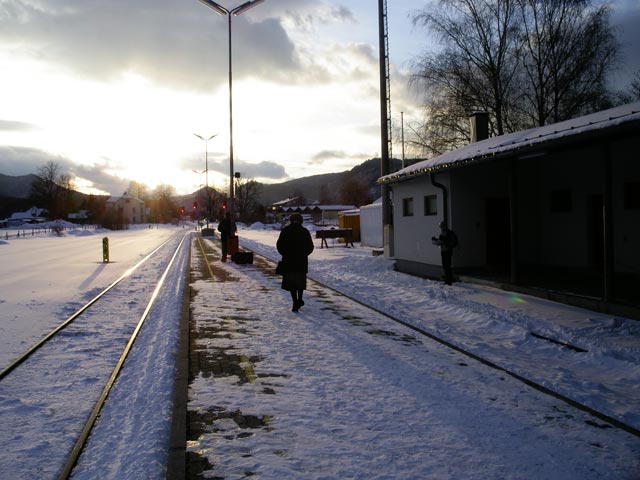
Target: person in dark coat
point(447, 240)
point(295, 245)
point(227, 229)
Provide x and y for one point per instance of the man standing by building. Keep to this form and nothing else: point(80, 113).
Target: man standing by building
point(447, 240)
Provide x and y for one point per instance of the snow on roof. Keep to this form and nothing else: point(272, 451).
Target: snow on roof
point(336, 207)
point(350, 213)
point(535, 137)
point(285, 201)
point(30, 214)
point(124, 197)
point(318, 207)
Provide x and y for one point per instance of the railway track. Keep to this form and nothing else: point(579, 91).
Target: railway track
point(90, 347)
point(268, 264)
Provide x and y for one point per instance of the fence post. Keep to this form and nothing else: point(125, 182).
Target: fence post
point(105, 250)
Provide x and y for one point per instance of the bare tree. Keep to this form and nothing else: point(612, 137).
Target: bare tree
point(478, 63)
point(52, 190)
point(326, 194)
point(635, 87)
point(567, 51)
point(443, 128)
point(163, 208)
point(138, 190)
point(353, 192)
point(247, 194)
point(526, 62)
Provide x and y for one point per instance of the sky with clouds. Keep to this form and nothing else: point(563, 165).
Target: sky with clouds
point(113, 90)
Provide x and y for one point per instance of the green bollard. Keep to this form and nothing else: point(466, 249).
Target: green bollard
point(105, 250)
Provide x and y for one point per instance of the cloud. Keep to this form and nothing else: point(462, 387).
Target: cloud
point(329, 155)
point(13, 126)
point(101, 179)
point(307, 16)
point(18, 161)
point(626, 18)
point(220, 163)
point(172, 42)
point(264, 170)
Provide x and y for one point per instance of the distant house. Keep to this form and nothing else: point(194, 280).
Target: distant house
point(81, 216)
point(555, 208)
point(319, 214)
point(127, 208)
point(275, 211)
point(33, 215)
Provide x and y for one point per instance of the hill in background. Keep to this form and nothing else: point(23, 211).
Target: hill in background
point(15, 191)
point(365, 174)
point(16, 187)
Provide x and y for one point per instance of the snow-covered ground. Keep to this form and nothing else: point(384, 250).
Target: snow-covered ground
point(334, 400)
point(495, 325)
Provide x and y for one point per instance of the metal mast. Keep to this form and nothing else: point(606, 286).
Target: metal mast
point(385, 124)
point(387, 76)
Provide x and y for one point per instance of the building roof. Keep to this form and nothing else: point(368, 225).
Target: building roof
point(285, 201)
point(527, 142)
point(31, 214)
point(124, 197)
point(314, 206)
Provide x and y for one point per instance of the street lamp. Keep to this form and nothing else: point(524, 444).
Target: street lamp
point(206, 170)
point(200, 186)
point(220, 10)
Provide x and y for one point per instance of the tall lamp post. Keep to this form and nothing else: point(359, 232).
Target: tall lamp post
point(200, 186)
point(206, 171)
point(220, 10)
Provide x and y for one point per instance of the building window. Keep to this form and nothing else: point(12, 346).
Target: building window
point(431, 205)
point(561, 201)
point(407, 207)
point(632, 195)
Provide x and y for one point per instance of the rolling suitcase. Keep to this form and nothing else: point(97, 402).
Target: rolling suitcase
point(232, 245)
point(242, 257)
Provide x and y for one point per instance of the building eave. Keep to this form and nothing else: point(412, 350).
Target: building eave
point(619, 121)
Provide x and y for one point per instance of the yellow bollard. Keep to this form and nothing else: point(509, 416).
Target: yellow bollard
point(105, 250)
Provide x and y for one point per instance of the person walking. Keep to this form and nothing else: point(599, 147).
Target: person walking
point(295, 245)
point(447, 240)
point(227, 229)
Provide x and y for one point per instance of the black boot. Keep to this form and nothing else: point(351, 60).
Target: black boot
point(300, 301)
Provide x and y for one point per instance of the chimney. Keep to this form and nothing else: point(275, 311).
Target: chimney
point(479, 126)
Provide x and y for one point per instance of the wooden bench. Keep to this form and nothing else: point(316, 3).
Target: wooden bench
point(346, 233)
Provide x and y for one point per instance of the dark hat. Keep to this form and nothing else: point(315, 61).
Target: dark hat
point(295, 218)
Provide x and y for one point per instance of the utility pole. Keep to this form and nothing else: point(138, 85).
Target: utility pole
point(385, 125)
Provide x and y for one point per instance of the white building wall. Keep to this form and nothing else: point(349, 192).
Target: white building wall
point(371, 233)
point(412, 234)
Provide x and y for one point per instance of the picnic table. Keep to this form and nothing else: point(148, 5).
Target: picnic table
point(346, 233)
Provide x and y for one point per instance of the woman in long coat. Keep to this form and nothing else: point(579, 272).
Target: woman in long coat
point(295, 245)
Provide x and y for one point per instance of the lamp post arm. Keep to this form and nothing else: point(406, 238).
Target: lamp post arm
point(219, 9)
point(244, 7)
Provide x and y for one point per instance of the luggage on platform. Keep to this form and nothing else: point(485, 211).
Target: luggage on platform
point(242, 257)
point(232, 245)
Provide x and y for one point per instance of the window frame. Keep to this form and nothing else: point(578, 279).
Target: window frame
point(408, 207)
